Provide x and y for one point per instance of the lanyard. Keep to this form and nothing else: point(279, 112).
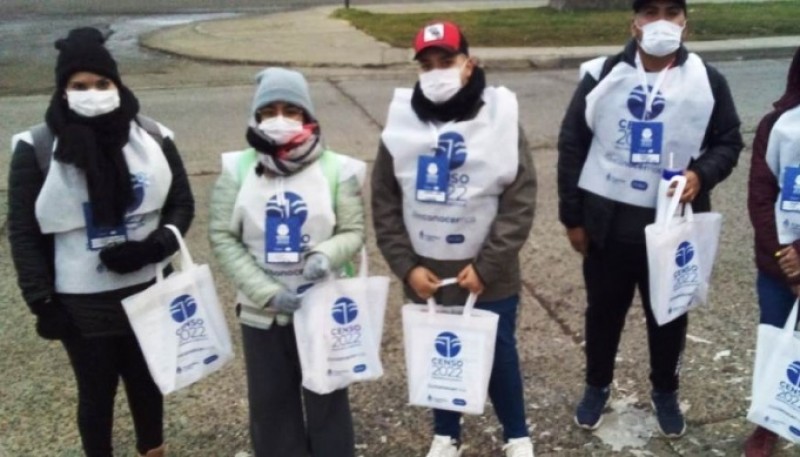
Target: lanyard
point(650, 95)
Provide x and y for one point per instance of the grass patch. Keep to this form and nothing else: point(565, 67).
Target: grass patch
point(548, 27)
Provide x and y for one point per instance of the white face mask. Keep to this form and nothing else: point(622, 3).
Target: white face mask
point(660, 38)
point(440, 86)
point(280, 129)
point(91, 103)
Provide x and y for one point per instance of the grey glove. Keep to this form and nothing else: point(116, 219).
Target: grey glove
point(285, 302)
point(317, 267)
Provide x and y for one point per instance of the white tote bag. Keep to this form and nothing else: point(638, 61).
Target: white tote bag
point(339, 328)
point(179, 324)
point(680, 258)
point(775, 403)
point(449, 355)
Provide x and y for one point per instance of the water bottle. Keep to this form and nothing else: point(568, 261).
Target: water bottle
point(662, 199)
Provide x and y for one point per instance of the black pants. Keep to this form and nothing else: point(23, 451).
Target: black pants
point(612, 274)
point(98, 364)
point(277, 426)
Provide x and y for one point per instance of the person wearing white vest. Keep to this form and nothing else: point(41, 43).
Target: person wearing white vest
point(453, 195)
point(773, 202)
point(630, 114)
point(285, 213)
point(90, 192)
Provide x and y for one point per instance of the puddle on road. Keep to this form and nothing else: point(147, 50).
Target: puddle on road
point(627, 426)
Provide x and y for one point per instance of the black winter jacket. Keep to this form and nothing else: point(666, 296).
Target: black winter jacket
point(603, 218)
point(32, 251)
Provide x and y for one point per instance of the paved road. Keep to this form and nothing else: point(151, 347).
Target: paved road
point(210, 418)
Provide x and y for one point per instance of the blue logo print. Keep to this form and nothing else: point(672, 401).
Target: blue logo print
point(139, 182)
point(793, 373)
point(637, 100)
point(452, 146)
point(293, 208)
point(684, 254)
point(345, 311)
point(182, 308)
point(448, 345)
point(794, 430)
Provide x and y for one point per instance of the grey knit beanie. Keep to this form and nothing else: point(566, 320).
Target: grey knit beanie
point(279, 84)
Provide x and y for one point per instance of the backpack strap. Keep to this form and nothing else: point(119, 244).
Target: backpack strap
point(43, 140)
point(151, 126)
point(330, 168)
point(247, 160)
point(609, 65)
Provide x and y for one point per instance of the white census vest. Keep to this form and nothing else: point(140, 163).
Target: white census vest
point(684, 105)
point(783, 151)
point(304, 195)
point(60, 212)
point(484, 157)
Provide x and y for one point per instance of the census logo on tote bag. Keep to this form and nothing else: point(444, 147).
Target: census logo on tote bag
point(338, 331)
point(179, 324)
point(449, 354)
point(775, 403)
point(680, 258)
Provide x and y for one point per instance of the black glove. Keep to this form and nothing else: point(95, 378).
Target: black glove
point(52, 320)
point(130, 256)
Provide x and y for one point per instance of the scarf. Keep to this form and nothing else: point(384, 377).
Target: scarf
point(94, 145)
point(460, 107)
point(289, 158)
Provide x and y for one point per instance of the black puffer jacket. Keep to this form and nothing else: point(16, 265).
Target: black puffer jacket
point(603, 218)
point(32, 251)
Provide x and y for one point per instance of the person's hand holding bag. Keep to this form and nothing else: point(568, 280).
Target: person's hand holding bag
point(131, 256)
point(285, 301)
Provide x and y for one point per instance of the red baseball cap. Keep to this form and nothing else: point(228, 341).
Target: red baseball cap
point(444, 35)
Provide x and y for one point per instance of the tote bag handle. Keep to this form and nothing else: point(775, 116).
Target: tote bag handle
point(469, 305)
point(186, 257)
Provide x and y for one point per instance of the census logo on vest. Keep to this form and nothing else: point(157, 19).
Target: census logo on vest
point(446, 365)
point(285, 216)
point(346, 334)
point(452, 146)
point(637, 101)
point(789, 388)
point(294, 208)
point(139, 182)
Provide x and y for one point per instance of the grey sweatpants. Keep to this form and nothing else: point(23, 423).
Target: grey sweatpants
point(277, 424)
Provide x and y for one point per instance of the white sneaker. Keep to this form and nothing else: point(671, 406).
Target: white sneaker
point(519, 447)
point(443, 446)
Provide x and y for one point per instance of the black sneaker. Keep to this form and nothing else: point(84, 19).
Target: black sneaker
point(668, 413)
point(589, 413)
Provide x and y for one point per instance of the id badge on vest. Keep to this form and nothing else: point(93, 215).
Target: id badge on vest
point(646, 141)
point(283, 239)
point(790, 191)
point(433, 176)
point(100, 237)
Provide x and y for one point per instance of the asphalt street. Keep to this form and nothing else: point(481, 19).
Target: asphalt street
point(206, 105)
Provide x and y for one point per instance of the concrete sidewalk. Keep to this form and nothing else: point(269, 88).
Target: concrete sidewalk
point(312, 38)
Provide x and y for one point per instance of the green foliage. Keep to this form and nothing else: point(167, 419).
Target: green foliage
point(548, 27)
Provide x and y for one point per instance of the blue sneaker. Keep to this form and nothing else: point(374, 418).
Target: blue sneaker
point(589, 413)
point(668, 413)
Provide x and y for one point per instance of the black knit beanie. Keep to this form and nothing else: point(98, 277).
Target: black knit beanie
point(83, 50)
